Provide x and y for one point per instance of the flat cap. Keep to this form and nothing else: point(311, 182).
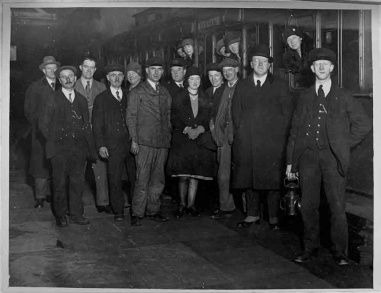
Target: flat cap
point(114, 67)
point(213, 67)
point(65, 67)
point(178, 62)
point(292, 30)
point(322, 54)
point(135, 67)
point(154, 61)
point(187, 41)
point(228, 62)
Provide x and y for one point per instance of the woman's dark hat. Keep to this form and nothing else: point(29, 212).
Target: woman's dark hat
point(261, 50)
point(193, 70)
point(290, 31)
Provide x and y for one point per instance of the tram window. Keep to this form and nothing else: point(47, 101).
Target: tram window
point(208, 49)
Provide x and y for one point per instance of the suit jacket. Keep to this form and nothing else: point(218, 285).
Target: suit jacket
point(346, 123)
point(52, 120)
point(108, 128)
point(96, 88)
point(215, 98)
point(173, 88)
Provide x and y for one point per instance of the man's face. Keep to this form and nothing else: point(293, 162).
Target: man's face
point(67, 79)
point(88, 69)
point(178, 73)
point(189, 50)
point(322, 69)
point(154, 73)
point(194, 82)
point(115, 78)
point(234, 48)
point(215, 78)
point(49, 71)
point(260, 65)
point(133, 77)
point(230, 73)
point(294, 42)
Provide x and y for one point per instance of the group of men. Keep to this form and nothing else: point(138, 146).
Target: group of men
point(259, 136)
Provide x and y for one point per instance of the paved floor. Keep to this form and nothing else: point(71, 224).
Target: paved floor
point(187, 253)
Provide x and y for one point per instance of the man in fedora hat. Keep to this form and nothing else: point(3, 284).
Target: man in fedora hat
point(327, 123)
point(261, 111)
point(87, 86)
point(111, 134)
point(65, 125)
point(148, 121)
point(35, 100)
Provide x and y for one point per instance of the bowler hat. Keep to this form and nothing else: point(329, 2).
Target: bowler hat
point(213, 67)
point(219, 46)
point(135, 67)
point(193, 70)
point(65, 67)
point(232, 37)
point(178, 62)
point(154, 61)
point(292, 30)
point(48, 60)
point(114, 67)
point(261, 50)
point(187, 41)
point(322, 54)
point(228, 62)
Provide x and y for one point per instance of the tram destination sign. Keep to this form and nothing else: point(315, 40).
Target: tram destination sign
point(204, 24)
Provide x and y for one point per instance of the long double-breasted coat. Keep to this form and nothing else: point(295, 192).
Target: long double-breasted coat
point(35, 101)
point(261, 121)
point(188, 156)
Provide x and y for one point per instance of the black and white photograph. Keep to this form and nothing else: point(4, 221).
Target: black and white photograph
point(177, 146)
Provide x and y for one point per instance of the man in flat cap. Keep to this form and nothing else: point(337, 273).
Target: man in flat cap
point(65, 125)
point(261, 110)
point(111, 134)
point(87, 86)
point(148, 121)
point(35, 100)
point(222, 133)
point(326, 124)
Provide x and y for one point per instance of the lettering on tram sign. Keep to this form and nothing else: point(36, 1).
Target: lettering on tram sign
point(209, 23)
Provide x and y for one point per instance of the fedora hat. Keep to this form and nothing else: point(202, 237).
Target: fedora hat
point(261, 50)
point(48, 60)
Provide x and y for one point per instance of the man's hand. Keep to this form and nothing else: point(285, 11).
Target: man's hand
point(211, 124)
point(103, 152)
point(134, 148)
point(289, 174)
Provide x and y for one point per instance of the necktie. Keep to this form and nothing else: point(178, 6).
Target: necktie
point(321, 94)
point(258, 85)
point(157, 87)
point(87, 89)
point(70, 99)
point(117, 96)
point(181, 85)
point(53, 85)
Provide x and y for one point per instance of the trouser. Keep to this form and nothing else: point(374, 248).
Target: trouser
point(317, 167)
point(116, 164)
point(68, 164)
point(150, 180)
point(253, 203)
point(131, 174)
point(223, 178)
point(101, 184)
point(42, 188)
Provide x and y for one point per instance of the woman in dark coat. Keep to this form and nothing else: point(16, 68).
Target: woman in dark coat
point(189, 157)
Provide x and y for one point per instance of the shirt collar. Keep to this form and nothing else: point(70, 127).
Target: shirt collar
point(326, 86)
point(66, 93)
point(152, 83)
point(50, 80)
point(84, 82)
point(262, 79)
point(114, 90)
point(179, 84)
point(233, 83)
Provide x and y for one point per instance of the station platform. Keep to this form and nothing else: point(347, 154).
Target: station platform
point(188, 253)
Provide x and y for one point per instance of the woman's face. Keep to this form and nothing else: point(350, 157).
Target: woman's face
point(194, 82)
point(294, 41)
point(234, 48)
point(189, 50)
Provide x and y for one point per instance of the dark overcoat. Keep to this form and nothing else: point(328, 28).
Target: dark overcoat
point(346, 123)
point(261, 121)
point(35, 100)
point(52, 121)
point(188, 156)
point(215, 98)
point(173, 88)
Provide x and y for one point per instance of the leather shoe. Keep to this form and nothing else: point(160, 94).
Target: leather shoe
point(106, 209)
point(305, 256)
point(245, 224)
point(218, 214)
point(39, 203)
point(341, 260)
point(157, 218)
point(192, 211)
point(80, 220)
point(136, 221)
point(119, 217)
point(274, 227)
point(61, 222)
point(180, 211)
point(48, 198)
